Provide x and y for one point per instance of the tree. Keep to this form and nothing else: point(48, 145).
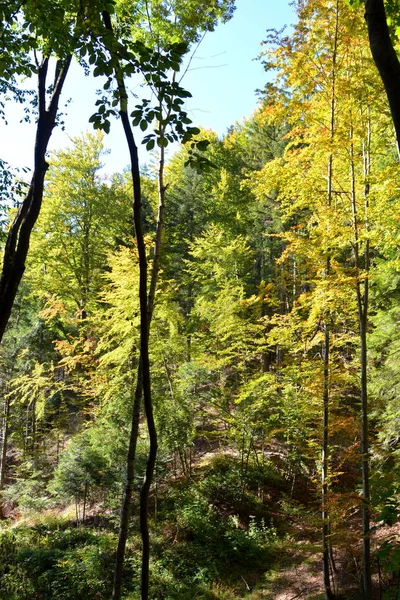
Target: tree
point(341, 125)
point(384, 55)
point(48, 30)
point(18, 238)
point(154, 64)
point(84, 470)
point(72, 237)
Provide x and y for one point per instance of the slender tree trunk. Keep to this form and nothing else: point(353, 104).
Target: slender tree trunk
point(151, 463)
point(18, 238)
point(85, 494)
point(128, 491)
point(362, 294)
point(144, 345)
point(4, 436)
point(34, 435)
point(329, 595)
point(365, 459)
point(364, 373)
point(127, 500)
point(143, 379)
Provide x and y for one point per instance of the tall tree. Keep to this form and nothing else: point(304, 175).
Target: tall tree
point(346, 101)
point(55, 31)
point(384, 55)
point(72, 237)
point(18, 238)
point(154, 62)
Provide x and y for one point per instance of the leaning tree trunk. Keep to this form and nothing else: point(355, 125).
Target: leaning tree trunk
point(18, 238)
point(384, 56)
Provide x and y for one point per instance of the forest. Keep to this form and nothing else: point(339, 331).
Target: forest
point(200, 353)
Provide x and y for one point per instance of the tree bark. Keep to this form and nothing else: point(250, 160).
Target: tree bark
point(362, 295)
point(18, 238)
point(144, 349)
point(127, 501)
point(329, 595)
point(143, 380)
point(384, 56)
point(128, 491)
point(5, 430)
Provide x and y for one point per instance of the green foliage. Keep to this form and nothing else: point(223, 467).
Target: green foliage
point(28, 491)
point(77, 198)
point(213, 547)
point(212, 544)
point(49, 563)
point(159, 22)
point(85, 471)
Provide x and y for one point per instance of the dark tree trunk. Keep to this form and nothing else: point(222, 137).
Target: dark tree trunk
point(130, 471)
point(143, 381)
point(128, 491)
point(385, 57)
point(17, 244)
point(326, 545)
point(144, 352)
point(362, 295)
point(4, 436)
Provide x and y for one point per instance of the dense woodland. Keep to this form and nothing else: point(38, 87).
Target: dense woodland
point(253, 301)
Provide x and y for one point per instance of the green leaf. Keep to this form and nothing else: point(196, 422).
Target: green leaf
point(162, 142)
point(150, 144)
point(202, 145)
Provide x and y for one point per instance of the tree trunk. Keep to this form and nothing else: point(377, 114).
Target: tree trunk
point(18, 238)
point(146, 310)
point(329, 595)
point(4, 435)
point(128, 491)
point(144, 353)
point(85, 495)
point(127, 501)
point(384, 56)
point(362, 294)
point(144, 346)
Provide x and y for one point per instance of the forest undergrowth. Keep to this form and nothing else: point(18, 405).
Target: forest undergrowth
point(227, 531)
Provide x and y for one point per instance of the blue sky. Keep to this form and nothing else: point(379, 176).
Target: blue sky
point(223, 78)
point(228, 73)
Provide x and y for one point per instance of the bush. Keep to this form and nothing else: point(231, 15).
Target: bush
point(85, 473)
point(49, 564)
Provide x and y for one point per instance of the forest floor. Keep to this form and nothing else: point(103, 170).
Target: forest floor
point(299, 577)
point(212, 540)
point(299, 574)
